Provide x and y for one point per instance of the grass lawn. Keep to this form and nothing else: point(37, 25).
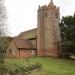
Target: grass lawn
point(50, 66)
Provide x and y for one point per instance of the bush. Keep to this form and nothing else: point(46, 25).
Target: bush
point(18, 69)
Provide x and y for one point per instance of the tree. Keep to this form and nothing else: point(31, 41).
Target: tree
point(2, 33)
point(6, 41)
point(67, 27)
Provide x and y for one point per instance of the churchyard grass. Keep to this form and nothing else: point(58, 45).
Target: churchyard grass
point(50, 66)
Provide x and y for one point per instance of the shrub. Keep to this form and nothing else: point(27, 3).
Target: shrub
point(18, 69)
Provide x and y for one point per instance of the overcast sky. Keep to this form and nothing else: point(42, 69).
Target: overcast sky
point(22, 14)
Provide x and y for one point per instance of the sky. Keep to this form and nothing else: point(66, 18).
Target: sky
point(22, 14)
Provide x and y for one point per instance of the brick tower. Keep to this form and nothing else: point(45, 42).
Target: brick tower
point(48, 32)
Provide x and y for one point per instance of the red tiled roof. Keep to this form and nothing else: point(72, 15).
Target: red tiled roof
point(22, 43)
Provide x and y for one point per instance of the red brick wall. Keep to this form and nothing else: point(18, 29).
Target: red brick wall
point(41, 52)
point(25, 53)
point(52, 52)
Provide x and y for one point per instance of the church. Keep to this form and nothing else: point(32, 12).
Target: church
point(41, 41)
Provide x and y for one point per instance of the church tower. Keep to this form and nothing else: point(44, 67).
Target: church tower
point(48, 32)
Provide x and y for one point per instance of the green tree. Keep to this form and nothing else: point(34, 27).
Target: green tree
point(67, 27)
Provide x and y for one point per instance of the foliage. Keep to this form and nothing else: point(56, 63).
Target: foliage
point(4, 43)
point(6, 40)
point(20, 69)
point(67, 27)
